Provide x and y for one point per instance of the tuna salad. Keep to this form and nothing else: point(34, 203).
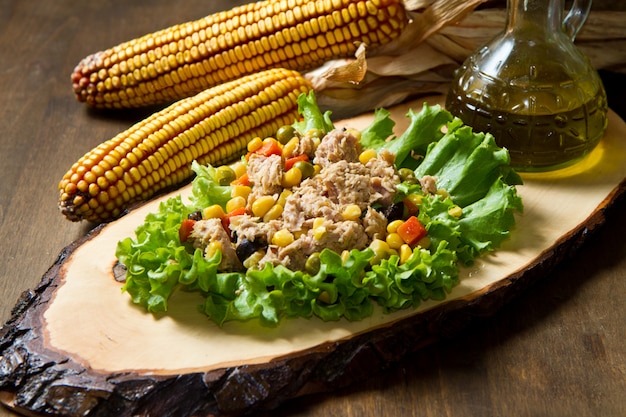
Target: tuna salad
point(327, 222)
point(341, 204)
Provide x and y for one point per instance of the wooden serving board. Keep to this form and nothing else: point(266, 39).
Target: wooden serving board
point(77, 345)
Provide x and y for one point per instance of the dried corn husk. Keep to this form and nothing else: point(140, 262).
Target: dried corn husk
point(602, 38)
point(441, 35)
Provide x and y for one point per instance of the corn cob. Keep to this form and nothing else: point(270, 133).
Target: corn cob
point(212, 127)
point(185, 59)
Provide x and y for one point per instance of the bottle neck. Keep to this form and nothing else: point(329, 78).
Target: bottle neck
point(535, 16)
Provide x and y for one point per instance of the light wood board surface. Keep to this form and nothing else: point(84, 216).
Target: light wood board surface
point(109, 333)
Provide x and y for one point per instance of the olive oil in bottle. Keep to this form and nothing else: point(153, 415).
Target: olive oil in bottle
point(533, 89)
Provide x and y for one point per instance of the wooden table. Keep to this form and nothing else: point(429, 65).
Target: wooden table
point(559, 349)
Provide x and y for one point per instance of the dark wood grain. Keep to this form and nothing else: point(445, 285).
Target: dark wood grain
point(557, 350)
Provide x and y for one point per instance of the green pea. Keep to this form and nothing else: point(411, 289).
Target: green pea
point(316, 133)
point(285, 133)
point(407, 175)
point(306, 168)
point(225, 175)
point(312, 265)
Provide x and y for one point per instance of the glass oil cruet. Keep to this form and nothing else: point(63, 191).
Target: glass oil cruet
point(533, 89)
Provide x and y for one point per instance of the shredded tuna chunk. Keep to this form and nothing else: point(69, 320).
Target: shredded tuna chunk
point(383, 177)
point(337, 237)
point(211, 230)
point(338, 145)
point(251, 228)
point(341, 235)
point(340, 184)
point(375, 224)
point(306, 146)
point(429, 184)
point(265, 173)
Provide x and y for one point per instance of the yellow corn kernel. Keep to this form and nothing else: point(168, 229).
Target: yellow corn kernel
point(212, 248)
point(381, 251)
point(379, 246)
point(455, 211)
point(392, 227)
point(290, 147)
point(367, 155)
point(213, 212)
point(235, 203)
point(273, 213)
point(344, 255)
point(282, 198)
point(319, 232)
point(239, 167)
point(282, 238)
point(262, 205)
point(415, 199)
point(318, 221)
point(271, 139)
point(254, 144)
point(443, 193)
point(240, 191)
point(292, 178)
point(354, 132)
point(252, 262)
point(405, 253)
point(394, 241)
point(351, 212)
point(316, 169)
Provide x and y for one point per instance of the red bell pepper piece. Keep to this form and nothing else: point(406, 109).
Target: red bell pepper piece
point(410, 206)
point(226, 219)
point(243, 180)
point(412, 231)
point(290, 162)
point(185, 229)
point(269, 147)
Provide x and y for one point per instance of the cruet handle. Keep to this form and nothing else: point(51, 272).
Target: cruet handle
point(576, 17)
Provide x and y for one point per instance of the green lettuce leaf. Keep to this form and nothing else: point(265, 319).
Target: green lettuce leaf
point(312, 116)
point(487, 222)
point(425, 275)
point(206, 191)
point(376, 134)
point(157, 263)
point(153, 260)
point(425, 127)
point(466, 164)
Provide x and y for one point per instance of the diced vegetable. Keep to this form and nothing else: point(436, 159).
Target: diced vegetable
point(186, 227)
point(290, 162)
point(411, 231)
point(268, 147)
point(244, 181)
point(236, 212)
